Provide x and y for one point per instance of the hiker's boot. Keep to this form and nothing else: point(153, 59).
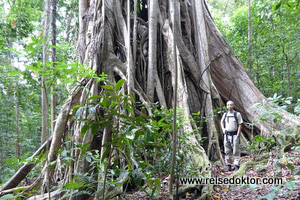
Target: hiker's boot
point(228, 168)
point(236, 168)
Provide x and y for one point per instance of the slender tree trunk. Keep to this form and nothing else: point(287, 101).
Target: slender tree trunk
point(46, 24)
point(16, 102)
point(18, 151)
point(129, 55)
point(250, 56)
point(68, 28)
point(175, 61)
point(45, 114)
point(282, 58)
point(53, 59)
point(152, 58)
point(134, 35)
point(83, 6)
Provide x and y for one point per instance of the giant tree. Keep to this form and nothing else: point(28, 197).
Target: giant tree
point(209, 73)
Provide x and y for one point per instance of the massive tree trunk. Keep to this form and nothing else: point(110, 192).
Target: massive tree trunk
point(209, 73)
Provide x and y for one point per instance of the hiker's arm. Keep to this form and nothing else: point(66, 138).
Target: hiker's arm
point(222, 125)
point(239, 130)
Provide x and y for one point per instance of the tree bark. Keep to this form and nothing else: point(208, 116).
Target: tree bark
point(175, 61)
point(206, 82)
point(46, 24)
point(152, 58)
point(208, 74)
point(53, 60)
point(83, 6)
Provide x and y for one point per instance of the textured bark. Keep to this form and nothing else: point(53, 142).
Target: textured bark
point(208, 75)
point(206, 82)
point(83, 6)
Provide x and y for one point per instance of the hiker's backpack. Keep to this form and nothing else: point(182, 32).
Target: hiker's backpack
point(235, 117)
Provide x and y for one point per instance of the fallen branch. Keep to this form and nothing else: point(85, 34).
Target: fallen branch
point(9, 191)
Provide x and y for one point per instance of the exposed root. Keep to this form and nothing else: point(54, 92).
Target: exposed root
point(53, 195)
point(245, 166)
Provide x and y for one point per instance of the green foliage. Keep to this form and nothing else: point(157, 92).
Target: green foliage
point(7, 196)
point(275, 41)
point(278, 190)
point(143, 142)
point(272, 114)
point(289, 104)
point(27, 93)
point(260, 144)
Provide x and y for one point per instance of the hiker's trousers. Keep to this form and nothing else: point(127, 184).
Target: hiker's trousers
point(232, 148)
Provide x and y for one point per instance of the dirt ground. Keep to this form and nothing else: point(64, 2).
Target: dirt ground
point(286, 168)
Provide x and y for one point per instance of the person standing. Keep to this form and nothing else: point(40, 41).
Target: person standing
point(231, 124)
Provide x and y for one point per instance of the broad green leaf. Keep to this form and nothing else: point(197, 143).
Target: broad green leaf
point(95, 97)
point(8, 196)
point(84, 129)
point(291, 167)
point(88, 158)
point(19, 190)
point(107, 87)
point(75, 109)
point(95, 128)
point(105, 103)
point(119, 85)
point(158, 186)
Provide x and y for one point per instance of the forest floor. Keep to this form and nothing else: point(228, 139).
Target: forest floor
point(273, 168)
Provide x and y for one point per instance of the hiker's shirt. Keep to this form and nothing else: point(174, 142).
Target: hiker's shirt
point(231, 140)
point(230, 123)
